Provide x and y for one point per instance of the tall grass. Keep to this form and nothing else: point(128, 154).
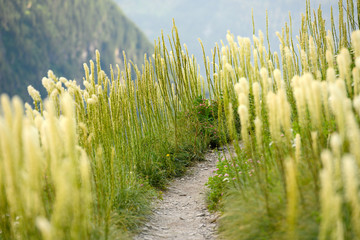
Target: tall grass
point(85, 161)
point(45, 174)
point(300, 131)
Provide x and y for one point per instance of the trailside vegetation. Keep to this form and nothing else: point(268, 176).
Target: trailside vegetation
point(84, 162)
point(294, 173)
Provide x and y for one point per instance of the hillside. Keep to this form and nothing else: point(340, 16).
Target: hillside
point(37, 35)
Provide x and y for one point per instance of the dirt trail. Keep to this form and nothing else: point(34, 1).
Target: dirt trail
point(182, 213)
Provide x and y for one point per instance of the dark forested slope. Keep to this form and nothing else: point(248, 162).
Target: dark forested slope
point(37, 35)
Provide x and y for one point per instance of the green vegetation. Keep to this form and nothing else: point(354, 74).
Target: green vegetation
point(84, 163)
point(36, 35)
point(295, 173)
point(101, 151)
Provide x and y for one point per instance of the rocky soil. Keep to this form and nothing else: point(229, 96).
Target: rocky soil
point(182, 214)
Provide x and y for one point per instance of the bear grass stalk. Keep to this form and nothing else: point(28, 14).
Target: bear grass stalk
point(305, 106)
point(42, 166)
point(96, 153)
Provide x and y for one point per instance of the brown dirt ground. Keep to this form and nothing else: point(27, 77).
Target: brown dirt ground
point(182, 214)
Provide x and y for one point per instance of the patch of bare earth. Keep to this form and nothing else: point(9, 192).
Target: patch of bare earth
point(182, 214)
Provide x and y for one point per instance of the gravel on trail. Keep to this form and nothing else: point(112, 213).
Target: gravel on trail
point(182, 214)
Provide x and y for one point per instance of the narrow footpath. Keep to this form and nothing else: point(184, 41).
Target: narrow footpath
point(182, 214)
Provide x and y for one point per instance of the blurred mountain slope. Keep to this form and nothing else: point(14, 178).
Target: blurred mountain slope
point(37, 35)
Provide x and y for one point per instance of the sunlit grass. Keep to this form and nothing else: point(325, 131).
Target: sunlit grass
point(84, 161)
point(300, 130)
